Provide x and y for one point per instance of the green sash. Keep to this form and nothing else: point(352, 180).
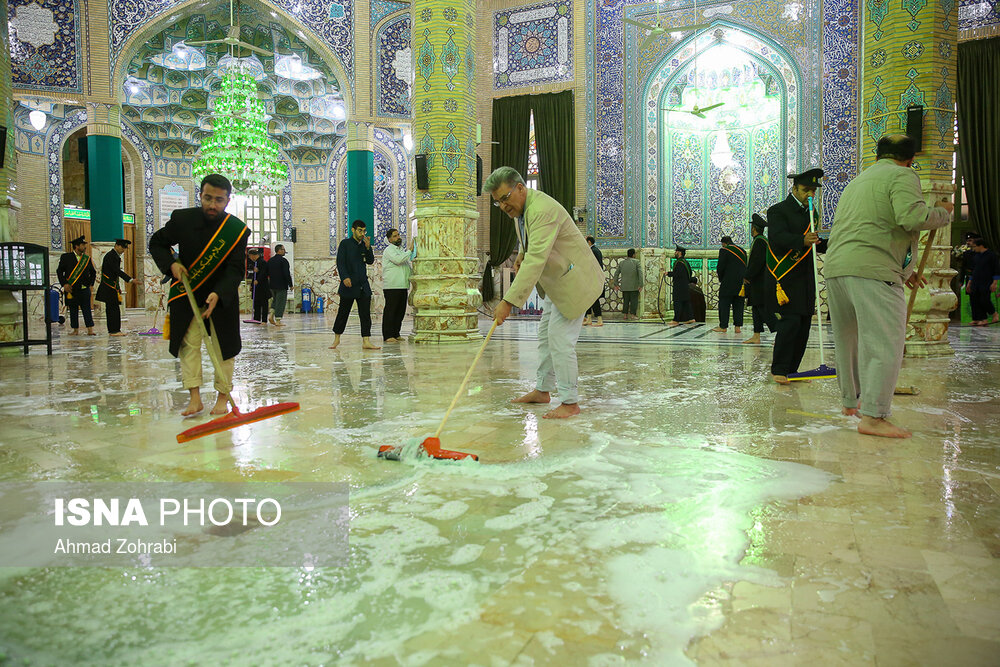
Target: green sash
point(738, 251)
point(780, 267)
point(226, 237)
point(113, 285)
point(681, 260)
point(78, 270)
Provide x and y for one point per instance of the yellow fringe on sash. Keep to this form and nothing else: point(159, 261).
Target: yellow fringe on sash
point(782, 297)
point(742, 291)
point(166, 327)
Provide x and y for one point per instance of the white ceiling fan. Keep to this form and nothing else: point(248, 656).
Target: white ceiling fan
point(232, 38)
point(698, 112)
point(658, 28)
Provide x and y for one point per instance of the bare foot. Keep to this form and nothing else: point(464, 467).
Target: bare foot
point(599, 322)
point(563, 411)
point(752, 340)
point(719, 330)
point(688, 322)
point(90, 332)
point(881, 427)
point(221, 405)
point(586, 322)
point(117, 334)
point(270, 318)
point(336, 342)
point(367, 344)
point(74, 332)
point(533, 396)
point(673, 323)
point(737, 330)
point(850, 412)
point(193, 408)
point(781, 379)
point(278, 323)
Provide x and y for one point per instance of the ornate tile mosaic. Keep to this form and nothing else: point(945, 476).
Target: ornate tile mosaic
point(57, 134)
point(789, 30)
point(131, 134)
point(393, 58)
point(533, 44)
point(978, 19)
point(338, 216)
point(45, 44)
point(383, 8)
point(332, 21)
point(399, 172)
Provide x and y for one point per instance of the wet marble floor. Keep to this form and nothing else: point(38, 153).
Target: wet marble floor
point(694, 513)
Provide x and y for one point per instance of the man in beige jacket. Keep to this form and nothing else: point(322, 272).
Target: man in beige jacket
point(556, 257)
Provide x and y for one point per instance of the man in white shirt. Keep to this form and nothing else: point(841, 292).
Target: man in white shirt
point(397, 265)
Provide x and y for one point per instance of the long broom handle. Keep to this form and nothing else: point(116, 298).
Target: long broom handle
point(819, 310)
point(196, 314)
point(920, 273)
point(466, 380)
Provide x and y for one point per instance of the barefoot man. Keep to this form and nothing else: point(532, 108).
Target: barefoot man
point(569, 279)
point(212, 253)
point(872, 250)
point(354, 254)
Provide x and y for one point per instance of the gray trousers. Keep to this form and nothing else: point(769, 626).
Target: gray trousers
point(280, 297)
point(630, 302)
point(869, 331)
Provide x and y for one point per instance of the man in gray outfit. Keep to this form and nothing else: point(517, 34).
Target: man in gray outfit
point(628, 278)
point(872, 250)
point(280, 282)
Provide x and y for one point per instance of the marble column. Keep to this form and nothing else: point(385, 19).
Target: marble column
point(104, 171)
point(10, 309)
point(910, 57)
point(446, 293)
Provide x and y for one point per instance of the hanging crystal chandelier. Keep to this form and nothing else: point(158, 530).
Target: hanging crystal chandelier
point(239, 147)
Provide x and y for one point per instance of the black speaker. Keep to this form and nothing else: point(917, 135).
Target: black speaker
point(3, 145)
point(915, 124)
point(420, 164)
point(295, 234)
point(479, 176)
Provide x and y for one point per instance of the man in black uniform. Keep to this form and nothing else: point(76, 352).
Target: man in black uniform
point(595, 309)
point(732, 268)
point(108, 291)
point(760, 283)
point(260, 287)
point(353, 254)
point(790, 261)
point(212, 249)
point(681, 274)
point(76, 274)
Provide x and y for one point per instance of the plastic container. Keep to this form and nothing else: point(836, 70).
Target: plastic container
point(307, 299)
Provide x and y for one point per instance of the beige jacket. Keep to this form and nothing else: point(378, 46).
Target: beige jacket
point(557, 258)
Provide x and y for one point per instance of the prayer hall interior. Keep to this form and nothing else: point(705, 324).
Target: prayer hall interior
point(694, 512)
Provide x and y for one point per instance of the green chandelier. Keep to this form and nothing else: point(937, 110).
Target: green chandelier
point(238, 147)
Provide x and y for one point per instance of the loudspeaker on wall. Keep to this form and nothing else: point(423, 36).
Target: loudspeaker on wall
point(915, 124)
point(420, 166)
point(479, 176)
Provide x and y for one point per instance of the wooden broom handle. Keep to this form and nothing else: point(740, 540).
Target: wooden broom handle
point(468, 374)
point(196, 314)
point(920, 273)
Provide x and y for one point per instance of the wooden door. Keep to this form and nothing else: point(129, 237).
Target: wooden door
point(131, 291)
point(73, 229)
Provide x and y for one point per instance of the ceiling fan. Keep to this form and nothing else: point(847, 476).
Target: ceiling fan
point(696, 111)
point(658, 28)
point(232, 38)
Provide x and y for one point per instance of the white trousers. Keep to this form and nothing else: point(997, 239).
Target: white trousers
point(869, 331)
point(190, 356)
point(557, 369)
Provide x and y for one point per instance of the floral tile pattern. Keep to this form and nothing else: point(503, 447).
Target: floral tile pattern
point(533, 44)
point(45, 44)
point(393, 61)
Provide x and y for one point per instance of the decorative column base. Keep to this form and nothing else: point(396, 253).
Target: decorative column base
point(445, 295)
point(654, 301)
point(927, 331)
point(11, 328)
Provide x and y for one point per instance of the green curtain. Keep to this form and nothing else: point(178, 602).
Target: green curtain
point(979, 133)
point(511, 119)
point(555, 126)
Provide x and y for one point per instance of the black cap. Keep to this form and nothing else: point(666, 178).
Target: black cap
point(726, 239)
point(680, 249)
point(254, 251)
point(758, 221)
point(78, 240)
point(123, 242)
point(809, 178)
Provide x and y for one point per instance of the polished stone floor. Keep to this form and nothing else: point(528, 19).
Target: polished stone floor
point(694, 513)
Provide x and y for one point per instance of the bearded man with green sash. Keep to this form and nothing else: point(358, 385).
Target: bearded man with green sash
point(76, 274)
point(212, 253)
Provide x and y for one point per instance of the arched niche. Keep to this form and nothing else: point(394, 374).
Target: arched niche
point(689, 198)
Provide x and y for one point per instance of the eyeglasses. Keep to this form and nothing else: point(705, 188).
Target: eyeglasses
point(503, 200)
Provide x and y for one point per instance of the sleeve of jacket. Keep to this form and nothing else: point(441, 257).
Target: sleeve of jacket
point(615, 281)
point(61, 274)
point(161, 241)
point(638, 274)
point(89, 274)
point(396, 256)
point(911, 211)
point(544, 231)
point(233, 272)
point(756, 260)
point(369, 255)
point(720, 268)
point(343, 268)
point(121, 273)
point(288, 271)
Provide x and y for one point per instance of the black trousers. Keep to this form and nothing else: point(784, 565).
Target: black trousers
point(762, 317)
point(75, 305)
point(595, 310)
point(683, 311)
point(364, 312)
point(114, 316)
point(734, 303)
point(392, 315)
point(790, 342)
point(260, 305)
point(981, 303)
point(630, 302)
